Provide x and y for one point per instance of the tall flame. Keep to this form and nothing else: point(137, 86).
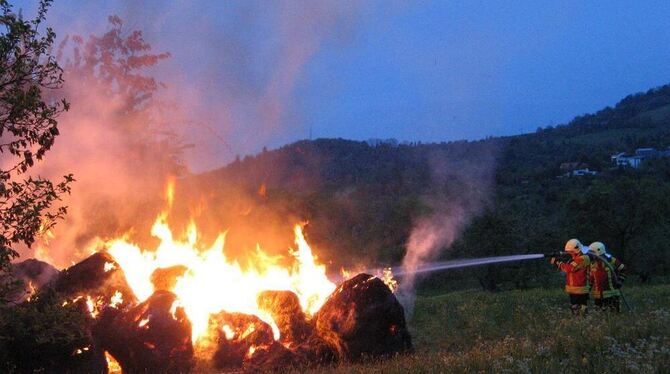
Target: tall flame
point(214, 283)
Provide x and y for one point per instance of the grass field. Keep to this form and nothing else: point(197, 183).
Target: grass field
point(531, 331)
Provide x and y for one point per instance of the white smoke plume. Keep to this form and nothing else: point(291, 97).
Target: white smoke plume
point(461, 185)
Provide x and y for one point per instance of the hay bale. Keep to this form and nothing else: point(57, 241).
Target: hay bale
point(273, 357)
point(32, 274)
point(154, 336)
point(285, 309)
point(98, 277)
point(363, 318)
point(236, 336)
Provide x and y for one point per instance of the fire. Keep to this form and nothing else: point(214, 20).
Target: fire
point(211, 282)
point(112, 365)
point(108, 266)
point(389, 280)
point(116, 299)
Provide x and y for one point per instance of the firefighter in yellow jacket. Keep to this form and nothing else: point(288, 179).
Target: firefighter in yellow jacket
point(607, 274)
point(576, 276)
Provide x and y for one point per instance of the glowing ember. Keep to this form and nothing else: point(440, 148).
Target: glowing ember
point(81, 350)
point(212, 283)
point(91, 307)
point(113, 366)
point(116, 300)
point(228, 332)
point(251, 351)
point(109, 266)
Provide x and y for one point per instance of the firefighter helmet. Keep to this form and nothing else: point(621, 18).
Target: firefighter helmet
point(598, 248)
point(573, 246)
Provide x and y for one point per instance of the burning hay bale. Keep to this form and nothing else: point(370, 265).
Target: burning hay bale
point(98, 277)
point(236, 337)
point(276, 356)
point(285, 309)
point(164, 279)
point(32, 274)
point(272, 357)
point(154, 336)
point(363, 317)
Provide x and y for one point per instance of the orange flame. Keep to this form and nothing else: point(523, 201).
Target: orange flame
point(113, 366)
point(214, 283)
point(169, 192)
point(389, 280)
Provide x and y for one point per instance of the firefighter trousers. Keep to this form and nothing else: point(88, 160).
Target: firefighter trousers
point(578, 303)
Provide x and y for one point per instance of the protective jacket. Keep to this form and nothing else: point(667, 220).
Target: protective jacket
point(603, 279)
point(576, 274)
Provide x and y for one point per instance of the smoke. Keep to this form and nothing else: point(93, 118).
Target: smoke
point(238, 65)
point(227, 89)
point(461, 186)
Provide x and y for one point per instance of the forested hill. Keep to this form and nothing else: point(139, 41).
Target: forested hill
point(361, 200)
point(639, 120)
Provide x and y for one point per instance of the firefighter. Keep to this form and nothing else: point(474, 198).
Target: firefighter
point(607, 274)
point(576, 276)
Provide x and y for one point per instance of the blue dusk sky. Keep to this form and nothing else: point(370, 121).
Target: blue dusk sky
point(267, 73)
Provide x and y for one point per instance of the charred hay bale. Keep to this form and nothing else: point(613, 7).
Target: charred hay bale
point(273, 357)
point(315, 351)
point(32, 274)
point(363, 317)
point(277, 357)
point(236, 336)
point(154, 336)
point(98, 277)
point(285, 309)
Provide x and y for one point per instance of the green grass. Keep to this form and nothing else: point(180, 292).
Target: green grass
point(531, 331)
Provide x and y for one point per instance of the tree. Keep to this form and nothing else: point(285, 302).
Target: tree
point(114, 66)
point(626, 214)
point(28, 129)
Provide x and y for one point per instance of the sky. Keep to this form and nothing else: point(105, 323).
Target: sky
point(256, 74)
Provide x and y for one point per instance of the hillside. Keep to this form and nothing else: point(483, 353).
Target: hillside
point(362, 200)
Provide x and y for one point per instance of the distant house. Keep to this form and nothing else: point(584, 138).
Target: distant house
point(646, 152)
point(623, 160)
point(582, 172)
point(641, 154)
point(570, 166)
point(576, 169)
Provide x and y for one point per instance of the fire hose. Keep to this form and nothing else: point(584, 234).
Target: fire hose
point(617, 280)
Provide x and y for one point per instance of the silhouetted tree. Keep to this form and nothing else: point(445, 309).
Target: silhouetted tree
point(28, 129)
point(113, 66)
